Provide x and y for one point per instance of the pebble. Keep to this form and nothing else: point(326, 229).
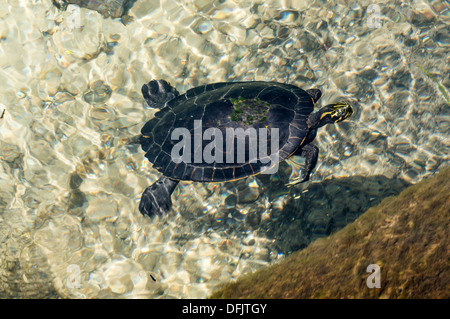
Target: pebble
point(230, 201)
point(253, 219)
point(248, 195)
point(101, 207)
point(98, 92)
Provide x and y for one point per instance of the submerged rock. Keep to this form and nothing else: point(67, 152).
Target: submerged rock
point(407, 236)
point(323, 208)
point(108, 8)
point(97, 93)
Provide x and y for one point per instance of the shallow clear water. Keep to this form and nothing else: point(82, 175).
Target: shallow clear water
point(70, 98)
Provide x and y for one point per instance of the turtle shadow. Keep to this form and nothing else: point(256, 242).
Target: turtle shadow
point(323, 208)
point(296, 216)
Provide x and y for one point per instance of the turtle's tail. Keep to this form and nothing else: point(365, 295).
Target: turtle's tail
point(155, 199)
point(134, 139)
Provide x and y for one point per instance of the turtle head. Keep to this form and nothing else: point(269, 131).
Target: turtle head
point(332, 113)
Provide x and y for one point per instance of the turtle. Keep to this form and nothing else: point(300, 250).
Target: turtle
point(281, 113)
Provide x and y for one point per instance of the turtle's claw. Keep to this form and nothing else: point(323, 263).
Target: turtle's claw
point(292, 183)
point(297, 181)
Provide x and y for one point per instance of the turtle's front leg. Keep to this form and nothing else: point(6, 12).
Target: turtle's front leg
point(311, 154)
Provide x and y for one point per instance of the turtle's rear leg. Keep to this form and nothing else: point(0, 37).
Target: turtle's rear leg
point(155, 199)
point(157, 92)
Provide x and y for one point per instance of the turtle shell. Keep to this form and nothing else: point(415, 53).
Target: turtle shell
point(225, 106)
